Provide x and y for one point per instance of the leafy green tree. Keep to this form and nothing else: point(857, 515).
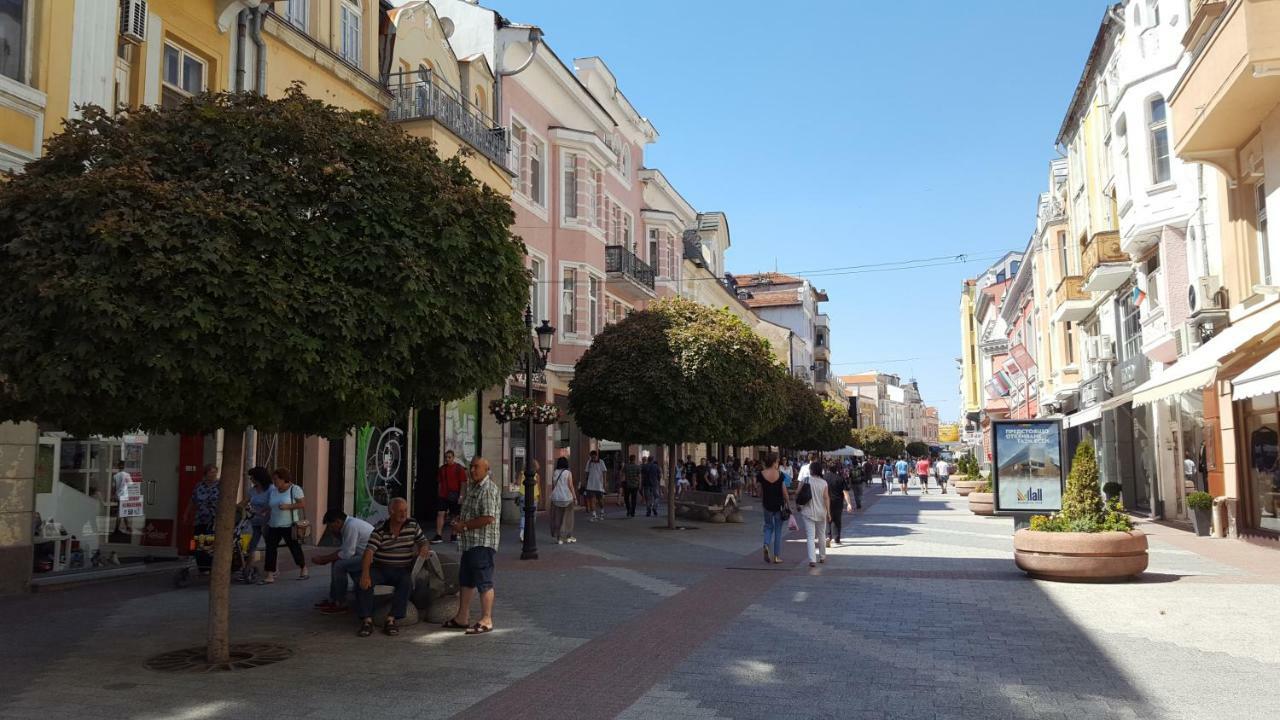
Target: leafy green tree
point(238, 261)
point(917, 449)
point(677, 372)
point(834, 432)
point(877, 442)
point(803, 420)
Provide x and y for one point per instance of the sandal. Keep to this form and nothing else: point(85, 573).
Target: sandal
point(366, 629)
point(452, 624)
point(267, 579)
point(479, 629)
point(391, 628)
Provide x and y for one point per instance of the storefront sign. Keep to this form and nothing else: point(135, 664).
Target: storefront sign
point(131, 498)
point(1093, 391)
point(1027, 472)
point(157, 533)
point(1131, 373)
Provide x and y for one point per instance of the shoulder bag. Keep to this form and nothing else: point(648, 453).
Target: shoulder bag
point(301, 525)
point(561, 495)
point(805, 496)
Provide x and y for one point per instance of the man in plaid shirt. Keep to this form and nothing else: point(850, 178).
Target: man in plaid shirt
point(478, 526)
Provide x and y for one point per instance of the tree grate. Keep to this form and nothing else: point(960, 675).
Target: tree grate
point(244, 656)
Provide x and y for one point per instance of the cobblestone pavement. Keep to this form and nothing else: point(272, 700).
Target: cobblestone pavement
point(920, 614)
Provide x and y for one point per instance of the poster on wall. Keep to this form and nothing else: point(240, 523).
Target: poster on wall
point(380, 470)
point(131, 501)
point(1026, 457)
point(462, 427)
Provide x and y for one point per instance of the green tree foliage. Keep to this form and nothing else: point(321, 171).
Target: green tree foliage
point(917, 449)
point(243, 261)
point(804, 419)
point(677, 372)
point(836, 428)
point(877, 442)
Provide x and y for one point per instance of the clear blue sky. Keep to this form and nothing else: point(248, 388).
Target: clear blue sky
point(848, 132)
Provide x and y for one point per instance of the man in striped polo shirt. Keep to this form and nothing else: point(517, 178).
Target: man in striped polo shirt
point(388, 560)
point(478, 525)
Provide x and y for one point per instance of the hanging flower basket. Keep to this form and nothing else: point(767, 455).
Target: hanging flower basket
point(545, 414)
point(509, 408)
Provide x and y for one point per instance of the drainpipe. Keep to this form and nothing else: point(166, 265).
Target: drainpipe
point(241, 22)
point(1114, 16)
point(535, 37)
point(260, 58)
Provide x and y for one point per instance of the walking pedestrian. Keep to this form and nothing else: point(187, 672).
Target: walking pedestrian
point(838, 493)
point(651, 484)
point(286, 501)
point(631, 484)
point(346, 561)
point(388, 560)
point(450, 478)
point(814, 506)
point(943, 471)
point(886, 474)
point(902, 467)
point(776, 504)
point(562, 508)
point(257, 504)
point(480, 534)
point(701, 473)
point(922, 472)
point(202, 512)
point(596, 470)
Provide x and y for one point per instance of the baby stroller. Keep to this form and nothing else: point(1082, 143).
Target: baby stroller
point(242, 567)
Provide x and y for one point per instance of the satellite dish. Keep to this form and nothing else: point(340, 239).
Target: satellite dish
point(446, 26)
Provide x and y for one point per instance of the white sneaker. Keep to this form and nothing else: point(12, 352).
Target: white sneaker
point(559, 542)
point(572, 540)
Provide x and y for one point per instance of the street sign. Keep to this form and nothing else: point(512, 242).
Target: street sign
point(1027, 469)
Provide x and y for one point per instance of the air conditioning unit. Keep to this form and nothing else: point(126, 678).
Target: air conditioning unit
point(133, 20)
point(1202, 295)
point(1106, 353)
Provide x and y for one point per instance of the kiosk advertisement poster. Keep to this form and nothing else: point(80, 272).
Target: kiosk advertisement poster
point(1027, 461)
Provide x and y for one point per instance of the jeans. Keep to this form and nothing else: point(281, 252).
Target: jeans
point(254, 539)
point(399, 577)
point(773, 532)
point(274, 536)
point(629, 495)
point(835, 523)
point(857, 495)
point(815, 532)
point(339, 575)
point(651, 499)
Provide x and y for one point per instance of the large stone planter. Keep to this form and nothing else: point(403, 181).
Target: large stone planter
point(964, 486)
point(1080, 557)
point(982, 503)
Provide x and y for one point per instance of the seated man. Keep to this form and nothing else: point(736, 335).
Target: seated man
point(388, 560)
point(345, 560)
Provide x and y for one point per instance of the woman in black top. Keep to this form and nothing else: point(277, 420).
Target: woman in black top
point(773, 498)
point(838, 488)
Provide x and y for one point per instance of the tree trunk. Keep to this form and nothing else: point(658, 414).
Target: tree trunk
point(671, 490)
point(219, 644)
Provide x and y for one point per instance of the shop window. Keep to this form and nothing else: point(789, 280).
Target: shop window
point(185, 75)
point(1264, 463)
point(13, 39)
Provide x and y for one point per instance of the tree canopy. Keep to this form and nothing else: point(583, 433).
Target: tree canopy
point(877, 442)
point(917, 449)
point(677, 372)
point(803, 419)
point(835, 430)
point(244, 261)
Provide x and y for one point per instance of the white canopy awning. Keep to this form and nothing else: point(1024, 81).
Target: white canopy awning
point(1083, 417)
point(847, 451)
point(1197, 369)
point(1261, 379)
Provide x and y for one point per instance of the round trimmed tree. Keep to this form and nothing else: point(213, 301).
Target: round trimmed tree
point(238, 261)
point(677, 372)
point(877, 442)
point(804, 417)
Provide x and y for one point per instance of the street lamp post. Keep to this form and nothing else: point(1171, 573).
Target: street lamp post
point(532, 357)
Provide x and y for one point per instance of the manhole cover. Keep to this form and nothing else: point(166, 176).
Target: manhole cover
point(244, 656)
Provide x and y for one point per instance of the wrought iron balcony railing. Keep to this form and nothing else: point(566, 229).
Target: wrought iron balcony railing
point(618, 259)
point(421, 95)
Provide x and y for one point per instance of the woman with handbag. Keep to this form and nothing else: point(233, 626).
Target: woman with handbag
point(562, 503)
point(776, 505)
point(814, 501)
point(288, 523)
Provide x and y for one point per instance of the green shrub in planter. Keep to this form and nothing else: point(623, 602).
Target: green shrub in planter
point(1112, 489)
point(1082, 506)
point(1200, 501)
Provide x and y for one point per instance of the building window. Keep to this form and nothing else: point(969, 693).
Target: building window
point(1264, 247)
point(627, 239)
point(1153, 282)
point(537, 272)
point(295, 11)
point(1062, 253)
point(1122, 143)
point(593, 304)
point(569, 302)
point(1067, 345)
point(184, 75)
point(1158, 134)
point(1130, 325)
point(350, 48)
point(13, 39)
point(537, 171)
point(654, 234)
point(570, 188)
point(597, 198)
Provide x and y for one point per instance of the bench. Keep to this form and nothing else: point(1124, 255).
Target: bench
point(714, 507)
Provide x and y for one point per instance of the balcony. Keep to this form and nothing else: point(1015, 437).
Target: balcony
point(1233, 81)
point(1105, 265)
point(1073, 303)
point(630, 278)
point(422, 95)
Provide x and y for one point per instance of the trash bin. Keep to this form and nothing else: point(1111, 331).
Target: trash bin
point(510, 508)
point(1224, 517)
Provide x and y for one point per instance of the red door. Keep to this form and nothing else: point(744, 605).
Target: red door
point(190, 468)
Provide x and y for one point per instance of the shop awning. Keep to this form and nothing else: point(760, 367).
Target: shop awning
point(1083, 417)
point(1261, 379)
point(1196, 370)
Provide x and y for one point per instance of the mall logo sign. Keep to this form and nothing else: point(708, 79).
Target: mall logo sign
point(1034, 494)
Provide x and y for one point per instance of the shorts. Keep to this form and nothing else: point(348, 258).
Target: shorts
point(476, 569)
point(597, 494)
point(902, 479)
point(448, 506)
